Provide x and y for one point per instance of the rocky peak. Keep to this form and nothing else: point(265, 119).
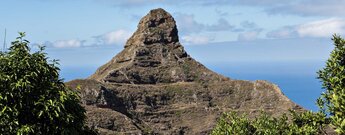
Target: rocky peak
point(158, 26)
point(153, 54)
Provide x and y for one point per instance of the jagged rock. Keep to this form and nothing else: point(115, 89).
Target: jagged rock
point(154, 87)
point(154, 55)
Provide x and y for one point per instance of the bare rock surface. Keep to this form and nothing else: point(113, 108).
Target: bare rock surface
point(154, 87)
point(153, 55)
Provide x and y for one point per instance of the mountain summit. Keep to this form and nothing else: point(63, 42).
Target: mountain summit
point(153, 54)
point(154, 87)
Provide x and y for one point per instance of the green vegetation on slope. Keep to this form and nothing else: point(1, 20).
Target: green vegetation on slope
point(306, 123)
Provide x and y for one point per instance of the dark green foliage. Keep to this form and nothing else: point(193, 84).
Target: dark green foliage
point(232, 123)
point(33, 100)
point(332, 76)
point(306, 123)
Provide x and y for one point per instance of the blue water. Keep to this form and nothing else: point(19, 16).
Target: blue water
point(71, 73)
point(297, 80)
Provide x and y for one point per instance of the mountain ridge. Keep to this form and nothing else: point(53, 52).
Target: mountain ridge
point(153, 86)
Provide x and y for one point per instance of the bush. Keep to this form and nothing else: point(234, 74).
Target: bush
point(232, 123)
point(302, 123)
point(33, 100)
point(332, 102)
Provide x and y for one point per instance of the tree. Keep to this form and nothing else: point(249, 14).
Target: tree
point(332, 101)
point(33, 99)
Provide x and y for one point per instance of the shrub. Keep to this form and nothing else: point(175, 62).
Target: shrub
point(33, 100)
point(305, 123)
point(332, 101)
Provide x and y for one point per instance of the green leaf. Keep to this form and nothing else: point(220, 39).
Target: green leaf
point(40, 113)
point(342, 123)
point(4, 109)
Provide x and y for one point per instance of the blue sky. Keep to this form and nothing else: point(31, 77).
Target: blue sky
point(243, 39)
point(78, 24)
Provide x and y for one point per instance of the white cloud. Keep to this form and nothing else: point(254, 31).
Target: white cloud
point(221, 25)
point(186, 23)
point(319, 28)
point(309, 8)
point(130, 3)
point(295, 7)
point(322, 28)
point(196, 40)
point(117, 37)
point(72, 43)
point(285, 32)
point(249, 25)
point(221, 13)
point(248, 36)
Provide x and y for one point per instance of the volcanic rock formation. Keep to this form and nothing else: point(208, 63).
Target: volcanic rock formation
point(154, 87)
point(154, 55)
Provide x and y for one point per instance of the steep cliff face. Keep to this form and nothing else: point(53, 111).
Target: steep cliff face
point(154, 87)
point(154, 55)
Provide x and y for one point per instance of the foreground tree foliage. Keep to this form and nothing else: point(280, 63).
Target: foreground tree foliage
point(33, 100)
point(331, 103)
point(306, 123)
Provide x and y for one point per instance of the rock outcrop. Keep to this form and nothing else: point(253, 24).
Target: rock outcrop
point(154, 55)
point(154, 87)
